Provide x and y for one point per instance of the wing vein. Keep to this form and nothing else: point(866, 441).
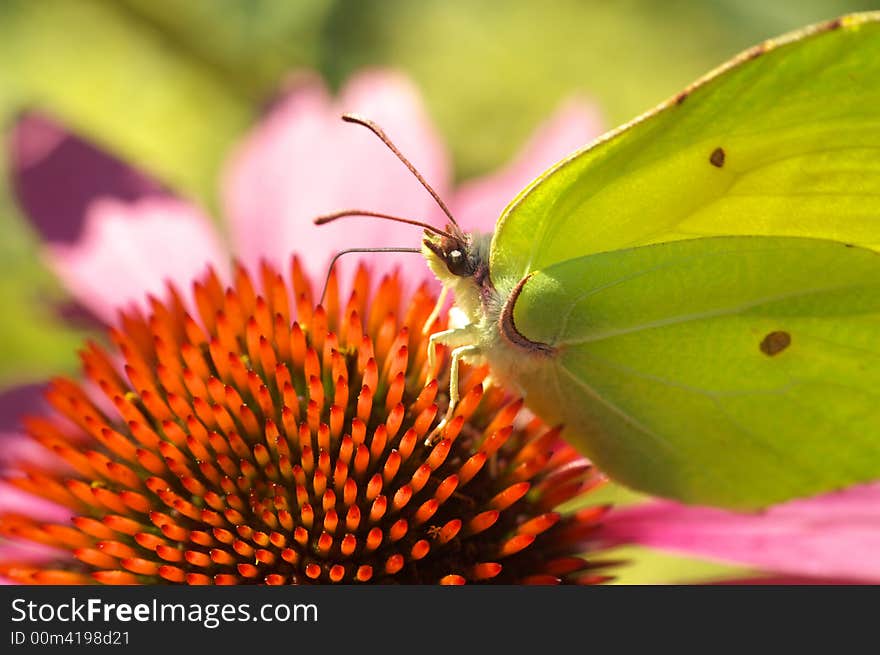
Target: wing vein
point(590, 391)
point(697, 316)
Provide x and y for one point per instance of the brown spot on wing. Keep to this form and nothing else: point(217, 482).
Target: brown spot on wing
point(508, 328)
point(717, 157)
point(775, 342)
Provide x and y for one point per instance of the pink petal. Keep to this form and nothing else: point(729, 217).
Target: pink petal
point(28, 552)
point(479, 203)
point(129, 250)
point(56, 175)
point(17, 401)
point(836, 535)
point(302, 161)
point(19, 450)
point(15, 501)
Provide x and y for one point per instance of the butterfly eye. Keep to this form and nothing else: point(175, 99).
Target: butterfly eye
point(457, 263)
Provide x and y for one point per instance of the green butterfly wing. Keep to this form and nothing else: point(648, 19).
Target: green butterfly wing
point(784, 140)
point(662, 371)
point(732, 371)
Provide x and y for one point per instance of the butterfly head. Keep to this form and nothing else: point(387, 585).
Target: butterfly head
point(459, 260)
point(450, 254)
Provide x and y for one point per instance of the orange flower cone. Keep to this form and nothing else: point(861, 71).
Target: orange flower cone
point(247, 447)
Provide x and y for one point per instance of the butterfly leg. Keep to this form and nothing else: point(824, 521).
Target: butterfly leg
point(433, 341)
point(453, 338)
point(438, 307)
point(454, 396)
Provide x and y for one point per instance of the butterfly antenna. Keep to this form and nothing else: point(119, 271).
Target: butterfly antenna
point(329, 218)
point(379, 132)
point(351, 250)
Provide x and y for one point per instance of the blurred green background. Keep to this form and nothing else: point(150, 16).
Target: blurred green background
point(170, 85)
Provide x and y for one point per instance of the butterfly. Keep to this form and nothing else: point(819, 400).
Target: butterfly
point(696, 294)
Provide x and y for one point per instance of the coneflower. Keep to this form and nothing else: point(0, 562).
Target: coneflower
point(238, 445)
